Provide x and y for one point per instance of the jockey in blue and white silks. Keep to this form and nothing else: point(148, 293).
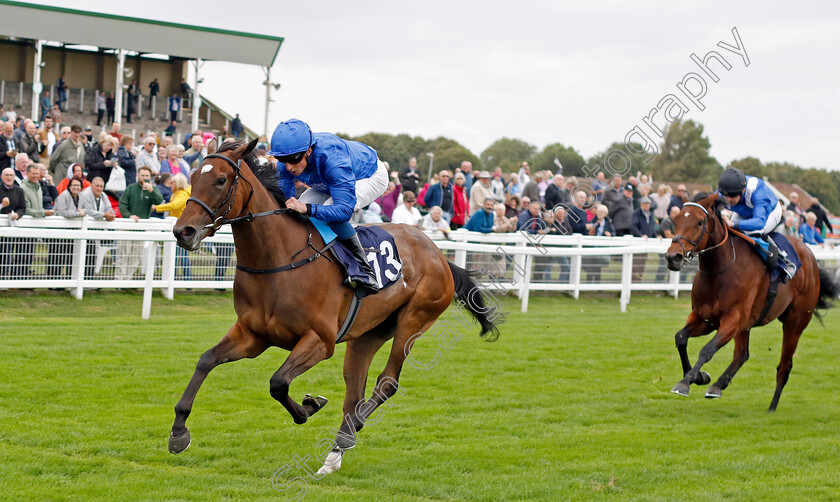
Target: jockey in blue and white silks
point(341, 175)
point(756, 212)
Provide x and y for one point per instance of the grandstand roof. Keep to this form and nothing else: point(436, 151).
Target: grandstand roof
point(44, 22)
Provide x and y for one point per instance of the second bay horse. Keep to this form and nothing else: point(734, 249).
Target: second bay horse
point(730, 292)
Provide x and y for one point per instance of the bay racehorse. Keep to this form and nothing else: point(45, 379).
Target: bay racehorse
point(730, 292)
point(300, 309)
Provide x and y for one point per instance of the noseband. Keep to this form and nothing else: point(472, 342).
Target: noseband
point(689, 255)
point(231, 195)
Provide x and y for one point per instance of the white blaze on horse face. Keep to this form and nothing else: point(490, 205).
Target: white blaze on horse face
point(206, 168)
point(686, 213)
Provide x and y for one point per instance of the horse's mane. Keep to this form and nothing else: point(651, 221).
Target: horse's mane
point(266, 174)
point(717, 207)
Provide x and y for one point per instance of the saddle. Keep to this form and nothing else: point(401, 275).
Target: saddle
point(777, 268)
point(382, 254)
point(777, 272)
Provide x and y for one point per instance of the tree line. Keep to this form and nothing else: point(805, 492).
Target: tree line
point(683, 156)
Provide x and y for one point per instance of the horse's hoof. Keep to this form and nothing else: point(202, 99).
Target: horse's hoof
point(703, 378)
point(177, 444)
point(714, 392)
point(681, 389)
point(332, 463)
point(316, 402)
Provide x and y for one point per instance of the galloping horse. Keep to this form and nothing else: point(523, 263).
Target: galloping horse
point(301, 308)
point(730, 292)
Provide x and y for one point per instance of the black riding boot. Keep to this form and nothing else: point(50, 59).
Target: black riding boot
point(774, 254)
point(355, 247)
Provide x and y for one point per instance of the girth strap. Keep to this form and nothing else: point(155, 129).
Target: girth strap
point(771, 298)
point(290, 266)
point(355, 305)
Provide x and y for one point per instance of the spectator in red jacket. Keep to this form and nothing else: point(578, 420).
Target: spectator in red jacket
point(459, 202)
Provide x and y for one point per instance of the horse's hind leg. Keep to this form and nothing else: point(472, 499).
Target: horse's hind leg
point(357, 359)
point(694, 326)
point(792, 327)
point(238, 343)
point(414, 319)
point(739, 357)
point(412, 323)
point(309, 351)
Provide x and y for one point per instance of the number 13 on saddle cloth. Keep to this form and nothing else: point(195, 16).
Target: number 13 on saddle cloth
point(384, 257)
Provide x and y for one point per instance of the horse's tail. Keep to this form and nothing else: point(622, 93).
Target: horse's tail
point(829, 289)
point(469, 293)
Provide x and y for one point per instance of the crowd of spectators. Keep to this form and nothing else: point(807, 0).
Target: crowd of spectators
point(549, 203)
point(50, 168)
point(526, 201)
point(53, 169)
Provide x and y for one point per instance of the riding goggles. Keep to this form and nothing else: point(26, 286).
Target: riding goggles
point(293, 159)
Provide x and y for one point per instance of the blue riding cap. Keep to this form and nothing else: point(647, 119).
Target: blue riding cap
point(290, 137)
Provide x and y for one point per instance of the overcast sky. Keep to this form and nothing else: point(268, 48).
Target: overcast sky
point(579, 73)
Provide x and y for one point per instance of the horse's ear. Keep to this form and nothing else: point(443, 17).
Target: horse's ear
point(709, 201)
point(719, 204)
point(251, 146)
point(212, 146)
point(713, 203)
point(246, 149)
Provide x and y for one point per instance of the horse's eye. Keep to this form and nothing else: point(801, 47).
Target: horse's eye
point(699, 223)
point(221, 181)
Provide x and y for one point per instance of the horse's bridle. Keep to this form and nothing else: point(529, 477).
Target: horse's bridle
point(231, 196)
point(689, 255)
point(249, 216)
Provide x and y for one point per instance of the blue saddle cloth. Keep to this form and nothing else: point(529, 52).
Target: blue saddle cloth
point(786, 247)
point(383, 257)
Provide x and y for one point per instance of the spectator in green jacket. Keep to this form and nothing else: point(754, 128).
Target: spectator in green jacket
point(137, 200)
point(136, 203)
point(34, 198)
point(32, 193)
point(70, 151)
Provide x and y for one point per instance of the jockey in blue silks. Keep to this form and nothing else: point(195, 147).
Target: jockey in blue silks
point(756, 212)
point(341, 175)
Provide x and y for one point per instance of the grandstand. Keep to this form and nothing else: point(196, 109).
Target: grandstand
point(100, 52)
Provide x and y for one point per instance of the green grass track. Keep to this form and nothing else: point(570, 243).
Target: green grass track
point(572, 402)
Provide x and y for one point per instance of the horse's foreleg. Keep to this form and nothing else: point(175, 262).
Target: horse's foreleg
point(236, 344)
point(725, 333)
point(739, 357)
point(309, 351)
point(694, 326)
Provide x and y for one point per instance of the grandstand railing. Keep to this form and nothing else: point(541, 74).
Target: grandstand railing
point(84, 253)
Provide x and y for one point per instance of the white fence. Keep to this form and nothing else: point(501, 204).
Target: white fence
point(79, 254)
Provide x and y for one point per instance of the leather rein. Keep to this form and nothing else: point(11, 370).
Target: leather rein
point(230, 198)
point(689, 255)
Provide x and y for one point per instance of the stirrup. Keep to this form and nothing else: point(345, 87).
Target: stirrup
point(790, 270)
point(355, 247)
point(372, 285)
